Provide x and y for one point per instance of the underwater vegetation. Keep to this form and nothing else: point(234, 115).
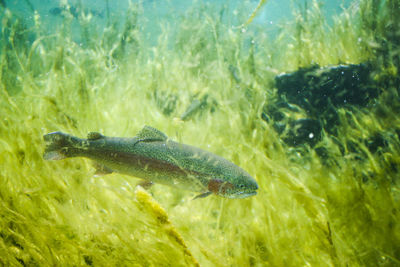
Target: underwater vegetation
point(312, 113)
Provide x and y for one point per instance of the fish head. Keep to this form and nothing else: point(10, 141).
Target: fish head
point(244, 186)
point(240, 186)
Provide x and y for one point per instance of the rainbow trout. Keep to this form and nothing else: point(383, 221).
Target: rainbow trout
point(152, 156)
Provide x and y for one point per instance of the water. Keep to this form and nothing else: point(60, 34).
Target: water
point(304, 98)
point(155, 13)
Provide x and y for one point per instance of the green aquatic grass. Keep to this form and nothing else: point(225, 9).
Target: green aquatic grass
point(306, 212)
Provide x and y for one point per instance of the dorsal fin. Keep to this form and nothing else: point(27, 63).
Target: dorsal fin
point(148, 134)
point(94, 136)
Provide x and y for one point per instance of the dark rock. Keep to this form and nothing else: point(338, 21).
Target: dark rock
point(278, 116)
point(274, 112)
point(265, 117)
point(304, 131)
point(314, 88)
point(375, 142)
point(319, 92)
point(326, 158)
point(352, 146)
point(339, 145)
point(330, 120)
point(355, 149)
point(279, 127)
point(322, 152)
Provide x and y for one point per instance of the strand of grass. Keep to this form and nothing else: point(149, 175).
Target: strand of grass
point(19, 59)
point(213, 25)
point(254, 14)
point(10, 101)
point(16, 54)
point(161, 217)
point(34, 46)
point(108, 13)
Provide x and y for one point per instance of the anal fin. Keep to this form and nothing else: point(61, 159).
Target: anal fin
point(101, 170)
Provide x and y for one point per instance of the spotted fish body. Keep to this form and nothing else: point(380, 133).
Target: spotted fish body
point(153, 157)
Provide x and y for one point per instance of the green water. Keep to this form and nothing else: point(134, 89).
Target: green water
point(326, 199)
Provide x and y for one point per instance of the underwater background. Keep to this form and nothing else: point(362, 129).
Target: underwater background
point(303, 95)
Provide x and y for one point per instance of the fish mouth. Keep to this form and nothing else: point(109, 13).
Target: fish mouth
point(244, 194)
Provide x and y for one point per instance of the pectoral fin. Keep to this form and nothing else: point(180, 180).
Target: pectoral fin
point(146, 184)
point(203, 195)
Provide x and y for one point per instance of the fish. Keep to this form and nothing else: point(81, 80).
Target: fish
point(155, 158)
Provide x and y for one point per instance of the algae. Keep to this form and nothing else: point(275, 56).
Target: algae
point(333, 204)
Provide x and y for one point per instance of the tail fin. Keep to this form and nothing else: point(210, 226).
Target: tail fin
point(59, 146)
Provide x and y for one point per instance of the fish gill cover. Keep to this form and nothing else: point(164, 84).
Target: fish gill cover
point(310, 108)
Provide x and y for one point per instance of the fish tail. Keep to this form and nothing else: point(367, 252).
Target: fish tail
point(60, 146)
